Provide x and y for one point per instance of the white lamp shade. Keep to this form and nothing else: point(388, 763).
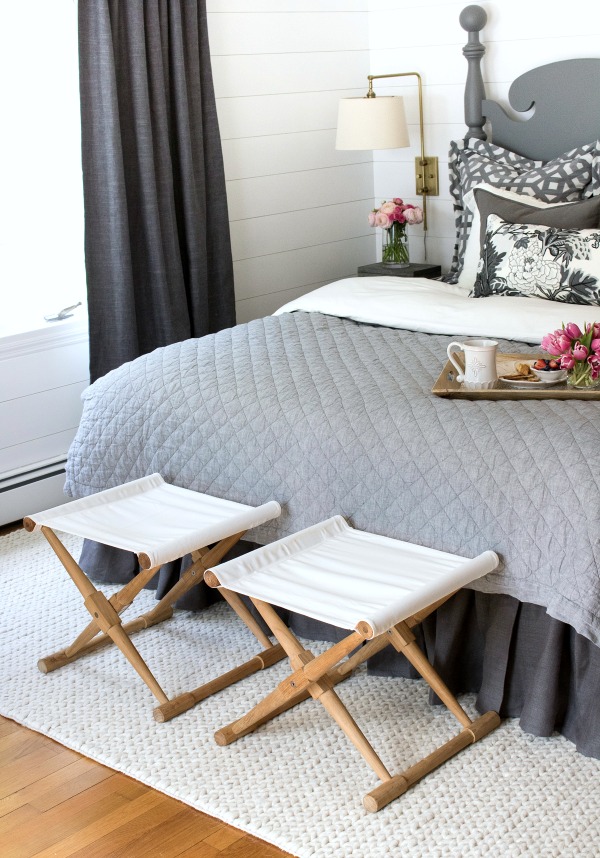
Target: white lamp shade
point(372, 123)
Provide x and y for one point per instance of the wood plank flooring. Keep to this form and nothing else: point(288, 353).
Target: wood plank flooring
point(55, 803)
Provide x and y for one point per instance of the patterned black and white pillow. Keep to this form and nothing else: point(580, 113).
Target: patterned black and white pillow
point(534, 261)
point(572, 176)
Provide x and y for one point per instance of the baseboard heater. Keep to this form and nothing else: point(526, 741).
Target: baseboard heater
point(32, 488)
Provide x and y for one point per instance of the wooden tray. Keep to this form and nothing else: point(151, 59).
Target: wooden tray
point(446, 385)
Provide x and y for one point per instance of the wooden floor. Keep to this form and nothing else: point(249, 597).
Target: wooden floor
point(55, 803)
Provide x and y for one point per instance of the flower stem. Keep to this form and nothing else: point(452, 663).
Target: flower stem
point(580, 375)
point(395, 246)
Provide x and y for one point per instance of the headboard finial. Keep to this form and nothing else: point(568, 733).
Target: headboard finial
point(472, 19)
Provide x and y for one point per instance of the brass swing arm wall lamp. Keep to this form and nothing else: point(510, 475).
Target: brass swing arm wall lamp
point(373, 122)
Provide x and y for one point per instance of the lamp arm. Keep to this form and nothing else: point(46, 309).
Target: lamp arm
point(423, 162)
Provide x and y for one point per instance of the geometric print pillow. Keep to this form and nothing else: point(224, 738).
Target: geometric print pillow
point(569, 177)
point(539, 262)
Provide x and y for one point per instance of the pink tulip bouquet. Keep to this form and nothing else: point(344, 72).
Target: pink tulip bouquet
point(393, 217)
point(579, 352)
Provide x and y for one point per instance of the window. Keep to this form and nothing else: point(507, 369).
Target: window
point(41, 195)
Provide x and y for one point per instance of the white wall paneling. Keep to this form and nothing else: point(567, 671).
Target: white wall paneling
point(266, 74)
point(277, 272)
point(297, 207)
point(259, 236)
point(280, 113)
point(265, 305)
point(296, 32)
point(304, 150)
point(42, 375)
point(294, 192)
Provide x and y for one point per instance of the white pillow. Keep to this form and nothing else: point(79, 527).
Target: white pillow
point(468, 274)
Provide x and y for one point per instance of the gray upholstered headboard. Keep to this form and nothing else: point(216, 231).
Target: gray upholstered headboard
point(563, 97)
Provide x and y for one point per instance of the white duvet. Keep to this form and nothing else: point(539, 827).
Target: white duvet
point(417, 304)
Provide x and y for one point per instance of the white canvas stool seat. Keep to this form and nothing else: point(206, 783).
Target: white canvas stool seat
point(160, 523)
point(376, 586)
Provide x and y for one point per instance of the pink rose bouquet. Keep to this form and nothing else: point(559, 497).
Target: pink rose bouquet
point(579, 352)
point(394, 216)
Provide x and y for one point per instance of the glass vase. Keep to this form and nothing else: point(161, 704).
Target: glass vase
point(395, 246)
point(581, 377)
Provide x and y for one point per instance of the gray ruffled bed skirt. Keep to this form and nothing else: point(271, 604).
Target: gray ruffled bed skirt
point(519, 661)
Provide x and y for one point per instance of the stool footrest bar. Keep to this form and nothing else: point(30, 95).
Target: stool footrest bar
point(399, 784)
point(185, 701)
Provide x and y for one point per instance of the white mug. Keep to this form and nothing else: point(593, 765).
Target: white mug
point(480, 363)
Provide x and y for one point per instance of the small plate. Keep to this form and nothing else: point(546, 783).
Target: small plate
point(515, 382)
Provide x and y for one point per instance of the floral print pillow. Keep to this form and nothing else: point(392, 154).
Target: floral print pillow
point(539, 262)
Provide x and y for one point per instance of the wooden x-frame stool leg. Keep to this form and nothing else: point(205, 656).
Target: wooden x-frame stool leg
point(106, 627)
point(316, 677)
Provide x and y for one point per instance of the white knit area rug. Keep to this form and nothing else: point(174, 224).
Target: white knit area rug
point(296, 782)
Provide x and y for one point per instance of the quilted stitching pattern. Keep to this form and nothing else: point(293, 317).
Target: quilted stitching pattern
point(329, 416)
point(572, 176)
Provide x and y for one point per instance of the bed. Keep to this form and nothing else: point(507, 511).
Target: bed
point(327, 408)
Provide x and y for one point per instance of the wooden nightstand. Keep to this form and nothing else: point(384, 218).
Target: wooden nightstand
point(416, 269)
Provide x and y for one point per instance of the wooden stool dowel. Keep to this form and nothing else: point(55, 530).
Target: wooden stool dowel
point(283, 697)
point(234, 602)
point(120, 601)
point(124, 643)
point(346, 722)
point(399, 784)
point(194, 574)
point(227, 735)
point(69, 655)
point(185, 701)
point(403, 641)
point(234, 731)
point(80, 579)
point(372, 647)
point(321, 663)
point(369, 649)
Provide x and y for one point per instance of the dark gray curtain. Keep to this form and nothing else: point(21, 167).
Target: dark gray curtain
point(157, 248)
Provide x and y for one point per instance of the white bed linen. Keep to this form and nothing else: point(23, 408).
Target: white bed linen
point(432, 307)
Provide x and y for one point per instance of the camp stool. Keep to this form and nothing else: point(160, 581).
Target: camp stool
point(160, 523)
point(377, 586)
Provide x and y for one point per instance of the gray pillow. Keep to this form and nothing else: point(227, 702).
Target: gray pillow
point(581, 215)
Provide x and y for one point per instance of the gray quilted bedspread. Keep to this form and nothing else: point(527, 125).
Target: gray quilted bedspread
point(328, 416)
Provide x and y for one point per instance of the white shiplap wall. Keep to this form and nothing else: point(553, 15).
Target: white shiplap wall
point(297, 207)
